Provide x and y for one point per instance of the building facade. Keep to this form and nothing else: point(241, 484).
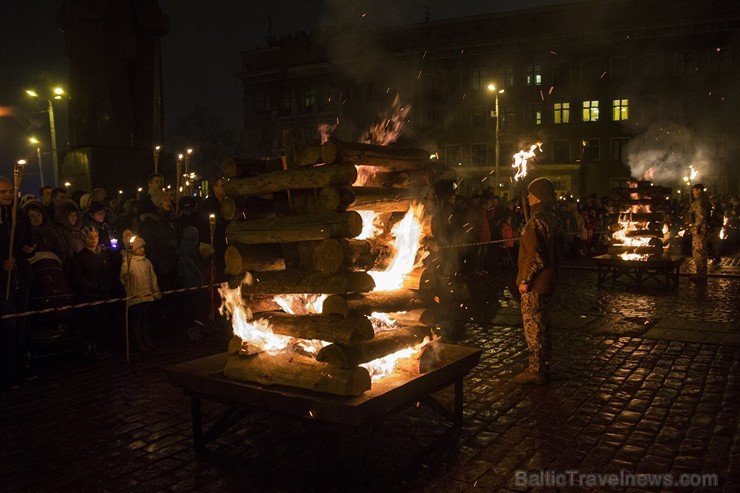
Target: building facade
point(610, 89)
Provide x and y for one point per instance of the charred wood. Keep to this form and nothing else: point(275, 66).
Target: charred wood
point(383, 344)
point(292, 179)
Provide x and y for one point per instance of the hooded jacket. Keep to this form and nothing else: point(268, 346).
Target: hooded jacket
point(143, 280)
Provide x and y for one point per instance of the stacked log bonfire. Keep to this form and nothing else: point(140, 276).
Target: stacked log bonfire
point(293, 231)
point(638, 228)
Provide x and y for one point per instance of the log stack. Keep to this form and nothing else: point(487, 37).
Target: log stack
point(638, 226)
point(295, 231)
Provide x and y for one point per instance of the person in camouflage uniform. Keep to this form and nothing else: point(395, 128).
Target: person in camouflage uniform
point(699, 231)
point(540, 253)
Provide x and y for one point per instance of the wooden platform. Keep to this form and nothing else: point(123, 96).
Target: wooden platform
point(203, 379)
point(662, 271)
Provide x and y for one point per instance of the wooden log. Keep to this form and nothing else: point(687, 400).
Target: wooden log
point(639, 216)
point(292, 179)
point(258, 303)
point(247, 208)
point(372, 176)
point(389, 199)
point(376, 301)
point(383, 344)
point(413, 279)
point(334, 255)
point(234, 167)
point(285, 368)
point(389, 158)
point(308, 155)
point(308, 282)
point(336, 198)
point(328, 328)
point(289, 229)
point(253, 258)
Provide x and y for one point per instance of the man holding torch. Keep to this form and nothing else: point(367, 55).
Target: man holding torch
point(540, 253)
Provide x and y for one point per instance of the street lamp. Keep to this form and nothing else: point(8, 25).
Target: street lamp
point(492, 88)
point(37, 143)
point(58, 91)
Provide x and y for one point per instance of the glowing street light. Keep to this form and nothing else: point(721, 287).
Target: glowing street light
point(492, 88)
point(57, 94)
point(36, 142)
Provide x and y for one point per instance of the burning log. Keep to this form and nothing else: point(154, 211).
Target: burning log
point(292, 179)
point(322, 327)
point(376, 301)
point(381, 345)
point(641, 217)
point(334, 255)
point(254, 258)
point(414, 279)
point(289, 229)
point(261, 303)
point(297, 282)
point(388, 158)
point(294, 370)
point(388, 199)
point(407, 179)
point(247, 208)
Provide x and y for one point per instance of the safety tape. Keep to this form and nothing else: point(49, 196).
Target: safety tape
point(491, 242)
point(103, 302)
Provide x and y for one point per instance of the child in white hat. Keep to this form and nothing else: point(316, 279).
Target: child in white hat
point(140, 281)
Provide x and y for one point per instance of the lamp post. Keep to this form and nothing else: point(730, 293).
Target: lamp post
point(492, 88)
point(58, 91)
point(37, 143)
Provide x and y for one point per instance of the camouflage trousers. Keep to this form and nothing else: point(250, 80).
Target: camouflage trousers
point(699, 250)
point(536, 317)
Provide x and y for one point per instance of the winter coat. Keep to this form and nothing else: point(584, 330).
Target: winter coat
point(143, 280)
point(91, 275)
point(70, 234)
point(161, 240)
point(190, 263)
point(541, 250)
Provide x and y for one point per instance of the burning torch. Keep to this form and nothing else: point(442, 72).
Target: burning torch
point(520, 165)
point(129, 253)
point(17, 176)
point(178, 173)
point(156, 159)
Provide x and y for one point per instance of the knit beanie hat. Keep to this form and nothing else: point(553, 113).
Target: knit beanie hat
point(85, 201)
point(86, 230)
point(27, 200)
point(543, 189)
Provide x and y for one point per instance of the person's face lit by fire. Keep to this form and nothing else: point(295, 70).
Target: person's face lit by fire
point(695, 192)
point(532, 199)
point(35, 218)
point(166, 204)
point(6, 193)
point(91, 239)
point(72, 218)
point(218, 189)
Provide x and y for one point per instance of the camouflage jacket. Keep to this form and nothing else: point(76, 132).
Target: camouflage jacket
point(541, 250)
point(700, 213)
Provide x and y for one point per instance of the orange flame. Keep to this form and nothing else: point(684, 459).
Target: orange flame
point(388, 129)
point(521, 158)
point(407, 233)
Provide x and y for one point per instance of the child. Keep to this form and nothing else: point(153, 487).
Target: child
point(139, 279)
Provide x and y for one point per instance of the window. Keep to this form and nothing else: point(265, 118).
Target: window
point(454, 155)
point(561, 151)
point(533, 75)
point(590, 69)
point(560, 73)
point(479, 118)
point(620, 68)
point(620, 109)
point(561, 112)
point(590, 111)
point(478, 80)
point(454, 119)
point(263, 103)
point(533, 114)
point(509, 76)
point(719, 61)
point(480, 154)
point(590, 150)
point(286, 103)
point(507, 115)
point(308, 101)
point(619, 149)
point(685, 63)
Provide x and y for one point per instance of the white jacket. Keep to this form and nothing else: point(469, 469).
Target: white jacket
point(143, 281)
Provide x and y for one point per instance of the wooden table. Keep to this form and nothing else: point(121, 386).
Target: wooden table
point(203, 379)
point(663, 270)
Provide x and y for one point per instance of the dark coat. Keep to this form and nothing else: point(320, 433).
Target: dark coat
point(91, 275)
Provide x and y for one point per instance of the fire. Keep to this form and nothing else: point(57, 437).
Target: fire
point(326, 129)
point(407, 233)
point(384, 366)
point(388, 129)
point(369, 228)
point(521, 158)
point(364, 174)
point(628, 225)
point(301, 304)
point(633, 256)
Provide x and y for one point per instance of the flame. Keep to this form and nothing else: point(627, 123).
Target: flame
point(693, 173)
point(384, 366)
point(365, 174)
point(388, 129)
point(301, 304)
point(407, 233)
point(648, 175)
point(369, 228)
point(633, 256)
point(520, 160)
point(326, 129)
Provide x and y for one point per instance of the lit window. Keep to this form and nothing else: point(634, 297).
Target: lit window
point(620, 109)
point(590, 150)
point(534, 75)
point(590, 111)
point(533, 113)
point(561, 112)
point(509, 76)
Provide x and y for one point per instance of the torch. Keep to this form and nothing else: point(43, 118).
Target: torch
point(177, 183)
point(520, 165)
point(129, 253)
point(156, 159)
point(188, 152)
point(17, 176)
point(212, 225)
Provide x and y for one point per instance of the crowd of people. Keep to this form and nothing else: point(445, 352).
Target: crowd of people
point(65, 249)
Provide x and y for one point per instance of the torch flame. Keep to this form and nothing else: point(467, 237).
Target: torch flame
point(520, 160)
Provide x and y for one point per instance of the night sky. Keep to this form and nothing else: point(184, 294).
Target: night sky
point(200, 52)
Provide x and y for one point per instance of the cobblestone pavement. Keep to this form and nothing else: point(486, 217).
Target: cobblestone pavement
point(645, 382)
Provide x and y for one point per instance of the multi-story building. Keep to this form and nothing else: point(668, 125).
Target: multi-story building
point(604, 85)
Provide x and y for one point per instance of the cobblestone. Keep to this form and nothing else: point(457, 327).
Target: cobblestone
point(644, 381)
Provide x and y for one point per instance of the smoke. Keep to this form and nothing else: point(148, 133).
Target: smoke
point(667, 150)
